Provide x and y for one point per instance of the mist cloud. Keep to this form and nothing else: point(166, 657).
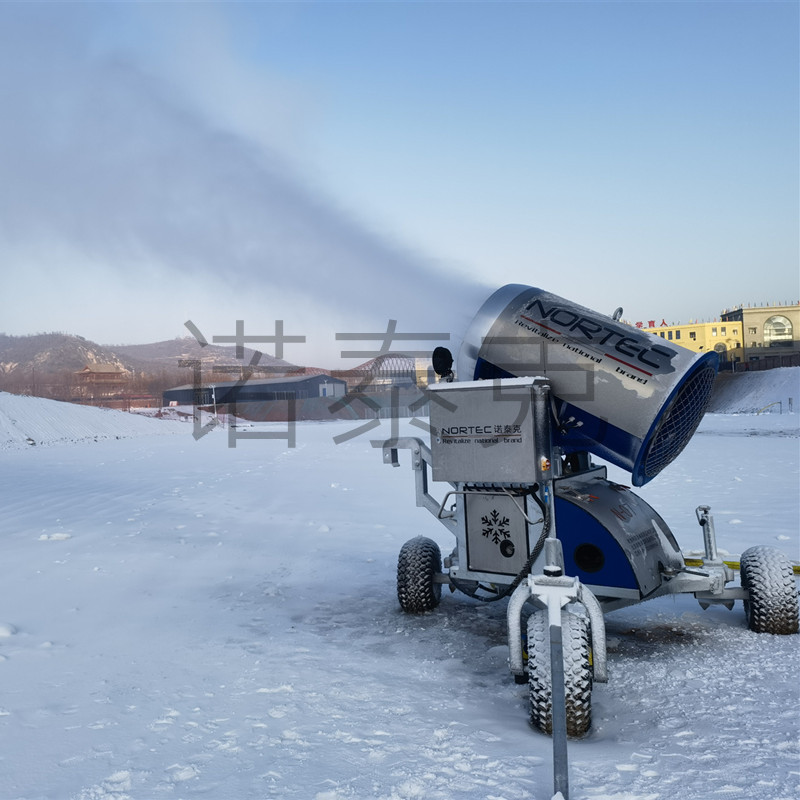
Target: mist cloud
point(103, 156)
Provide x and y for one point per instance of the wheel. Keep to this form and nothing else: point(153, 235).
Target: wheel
point(767, 575)
point(577, 672)
point(417, 566)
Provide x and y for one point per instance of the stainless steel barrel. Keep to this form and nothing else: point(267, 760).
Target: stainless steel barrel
point(622, 393)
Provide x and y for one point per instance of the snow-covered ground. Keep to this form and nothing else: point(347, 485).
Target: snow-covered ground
point(32, 421)
point(184, 619)
point(775, 390)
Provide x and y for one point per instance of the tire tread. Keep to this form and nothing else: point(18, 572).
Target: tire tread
point(417, 565)
point(772, 606)
point(577, 673)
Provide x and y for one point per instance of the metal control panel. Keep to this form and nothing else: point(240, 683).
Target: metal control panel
point(496, 533)
point(485, 431)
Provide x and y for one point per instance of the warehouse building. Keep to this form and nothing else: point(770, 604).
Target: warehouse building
point(226, 393)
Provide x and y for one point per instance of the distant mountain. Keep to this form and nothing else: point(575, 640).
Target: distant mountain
point(53, 365)
point(167, 354)
point(50, 353)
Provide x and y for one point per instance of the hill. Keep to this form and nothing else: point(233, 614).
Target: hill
point(29, 421)
point(45, 364)
point(168, 353)
point(50, 353)
point(53, 352)
point(749, 392)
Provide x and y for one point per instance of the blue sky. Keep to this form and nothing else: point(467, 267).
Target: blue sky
point(339, 164)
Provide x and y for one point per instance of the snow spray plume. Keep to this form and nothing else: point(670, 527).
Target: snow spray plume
point(108, 160)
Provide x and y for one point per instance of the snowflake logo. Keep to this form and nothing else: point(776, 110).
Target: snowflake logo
point(495, 527)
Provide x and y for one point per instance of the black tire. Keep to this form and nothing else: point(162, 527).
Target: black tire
point(766, 573)
point(577, 672)
point(419, 562)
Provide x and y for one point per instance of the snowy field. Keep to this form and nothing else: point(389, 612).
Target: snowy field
point(182, 619)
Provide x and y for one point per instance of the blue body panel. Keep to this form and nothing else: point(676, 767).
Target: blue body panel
point(577, 527)
point(610, 536)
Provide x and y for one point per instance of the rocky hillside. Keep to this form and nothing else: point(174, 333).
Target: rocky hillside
point(167, 354)
point(49, 353)
point(45, 364)
point(53, 352)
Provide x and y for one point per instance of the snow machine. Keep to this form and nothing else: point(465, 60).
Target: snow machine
point(544, 384)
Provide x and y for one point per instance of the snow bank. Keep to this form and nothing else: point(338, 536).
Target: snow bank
point(26, 421)
point(749, 392)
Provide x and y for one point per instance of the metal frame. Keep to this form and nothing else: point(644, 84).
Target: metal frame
point(707, 582)
point(542, 582)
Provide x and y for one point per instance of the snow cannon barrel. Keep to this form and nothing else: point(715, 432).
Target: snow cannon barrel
point(629, 397)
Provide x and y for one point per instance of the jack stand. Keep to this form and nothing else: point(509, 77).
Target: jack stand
point(709, 534)
point(718, 572)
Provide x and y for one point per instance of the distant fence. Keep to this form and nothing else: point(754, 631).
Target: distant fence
point(767, 362)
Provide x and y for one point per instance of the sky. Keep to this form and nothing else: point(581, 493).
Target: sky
point(337, 165)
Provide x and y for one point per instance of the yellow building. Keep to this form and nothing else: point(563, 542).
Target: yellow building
point(755, 337)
